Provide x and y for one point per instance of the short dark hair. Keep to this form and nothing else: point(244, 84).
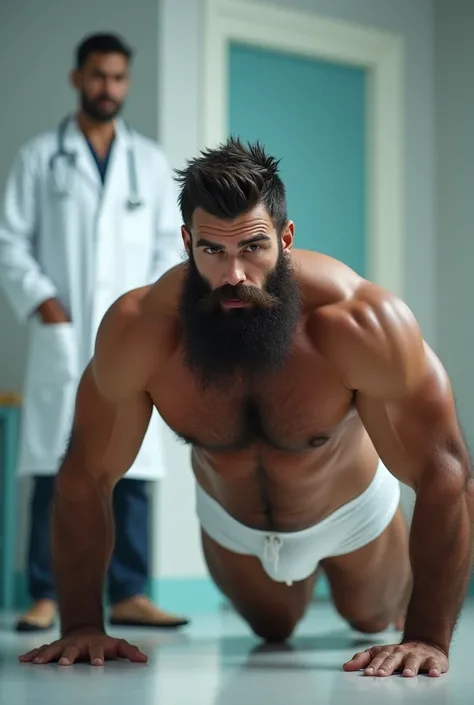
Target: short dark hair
point(230, 180)
point(101, 44)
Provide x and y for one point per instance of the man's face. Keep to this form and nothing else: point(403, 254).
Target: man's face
point(240, 302)
point(103, 84)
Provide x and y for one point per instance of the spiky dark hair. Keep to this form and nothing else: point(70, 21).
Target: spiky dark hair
point(230, 180)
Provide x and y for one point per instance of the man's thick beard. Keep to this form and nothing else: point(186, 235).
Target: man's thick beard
point(222, 345)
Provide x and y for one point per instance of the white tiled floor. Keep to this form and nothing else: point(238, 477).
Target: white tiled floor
point(216, 661)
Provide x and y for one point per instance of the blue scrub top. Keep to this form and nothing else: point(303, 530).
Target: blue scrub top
point(101, 163)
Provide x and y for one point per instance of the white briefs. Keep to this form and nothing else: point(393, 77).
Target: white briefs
point(291, 556)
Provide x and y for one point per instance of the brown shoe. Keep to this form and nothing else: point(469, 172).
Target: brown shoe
point(139, 611)
point(40, 617)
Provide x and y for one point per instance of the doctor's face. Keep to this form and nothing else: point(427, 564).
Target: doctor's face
point(103, 84)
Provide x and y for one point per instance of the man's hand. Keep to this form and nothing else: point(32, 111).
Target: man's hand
point(410, 658)
point(51, 311)
point(92, 646)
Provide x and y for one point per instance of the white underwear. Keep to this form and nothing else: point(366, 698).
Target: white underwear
point(291, 556)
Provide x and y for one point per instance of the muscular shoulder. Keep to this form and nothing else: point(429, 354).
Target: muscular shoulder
point(136, 338)
point(323, 280)
point(374, 340)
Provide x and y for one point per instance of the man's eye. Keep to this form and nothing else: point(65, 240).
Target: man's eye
point(212, 250)
point(254, 246)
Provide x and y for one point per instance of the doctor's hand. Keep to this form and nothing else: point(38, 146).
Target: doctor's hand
point(93, 646)
point(51, 311)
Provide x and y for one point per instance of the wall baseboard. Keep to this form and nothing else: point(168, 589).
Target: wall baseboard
point(186, 596)
point(178, 595)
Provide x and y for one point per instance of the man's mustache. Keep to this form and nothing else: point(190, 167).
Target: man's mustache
point(248, 294)
point(106, 97)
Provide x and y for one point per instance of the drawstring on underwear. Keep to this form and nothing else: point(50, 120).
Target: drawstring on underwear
point(271, 552)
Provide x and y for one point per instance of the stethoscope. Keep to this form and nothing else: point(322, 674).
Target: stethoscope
point(70, 158)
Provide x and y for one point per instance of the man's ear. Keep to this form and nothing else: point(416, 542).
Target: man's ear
point(74, 79)
point(187, 239)
point(288, 236)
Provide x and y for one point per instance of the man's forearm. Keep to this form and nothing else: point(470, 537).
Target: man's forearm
point(441, 558)
point(82, 544)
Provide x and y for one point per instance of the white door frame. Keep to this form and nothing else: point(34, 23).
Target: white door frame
point(303, 33)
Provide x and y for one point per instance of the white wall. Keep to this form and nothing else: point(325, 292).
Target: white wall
point(180, 42)
point(454, 32)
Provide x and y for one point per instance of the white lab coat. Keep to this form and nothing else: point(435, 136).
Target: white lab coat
point(87, 250)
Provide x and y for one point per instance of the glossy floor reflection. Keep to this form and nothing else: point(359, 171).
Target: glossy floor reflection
point(216, 661)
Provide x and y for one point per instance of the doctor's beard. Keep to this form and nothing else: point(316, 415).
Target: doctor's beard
point(100, 112)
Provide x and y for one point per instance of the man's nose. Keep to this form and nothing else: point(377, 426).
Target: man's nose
point(234, 273)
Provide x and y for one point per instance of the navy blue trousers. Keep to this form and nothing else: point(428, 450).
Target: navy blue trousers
point(128, 570)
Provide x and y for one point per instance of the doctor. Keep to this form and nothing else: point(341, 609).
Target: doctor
point(89, 212)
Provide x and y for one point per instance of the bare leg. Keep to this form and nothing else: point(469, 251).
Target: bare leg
point(271, 609)
point(371, 587)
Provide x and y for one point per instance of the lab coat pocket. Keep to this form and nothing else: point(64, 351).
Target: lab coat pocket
point(53, 353)
point(51, 382)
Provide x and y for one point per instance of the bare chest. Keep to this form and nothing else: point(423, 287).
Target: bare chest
point(294, 410)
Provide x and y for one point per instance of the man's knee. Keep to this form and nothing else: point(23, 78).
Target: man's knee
point(370, 625)
point(275, 631)
point(273, 628)
point(364, 619)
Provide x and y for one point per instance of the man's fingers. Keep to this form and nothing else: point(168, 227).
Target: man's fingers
point(69, 656)
point(433, 667)
point(29, 656)
point(411, 667)
point(376, 663)
point(97, 657)
point(359, 660)
point(96, 650)
point(409, 659)
point(390, 664)
point(130, 652)
point(49, 653)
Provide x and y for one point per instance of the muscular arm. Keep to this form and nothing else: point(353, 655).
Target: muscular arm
point(111, 418)
point(405, 401)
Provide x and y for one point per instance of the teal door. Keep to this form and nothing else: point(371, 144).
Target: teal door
point(311, 114)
